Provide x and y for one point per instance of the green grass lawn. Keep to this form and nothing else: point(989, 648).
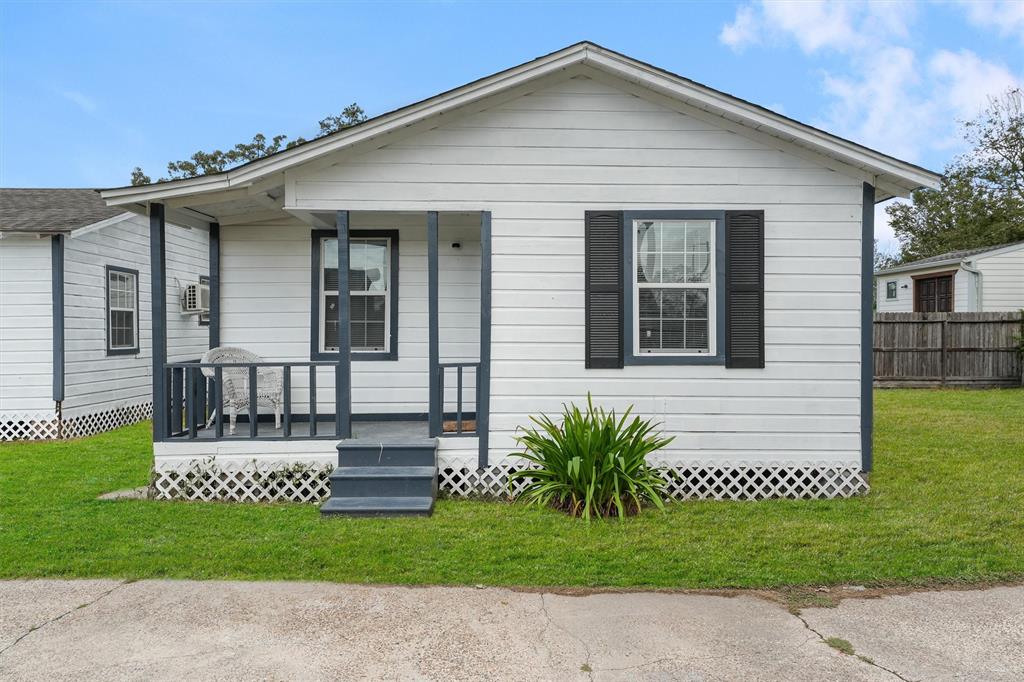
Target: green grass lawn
point(947, 505)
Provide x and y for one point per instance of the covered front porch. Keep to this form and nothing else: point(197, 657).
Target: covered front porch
point(397, 351)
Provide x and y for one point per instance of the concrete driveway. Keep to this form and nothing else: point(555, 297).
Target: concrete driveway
point(170, 630)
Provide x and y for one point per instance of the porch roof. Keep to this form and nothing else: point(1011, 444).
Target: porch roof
point(249, 183)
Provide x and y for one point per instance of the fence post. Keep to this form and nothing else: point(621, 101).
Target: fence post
point(942, 357)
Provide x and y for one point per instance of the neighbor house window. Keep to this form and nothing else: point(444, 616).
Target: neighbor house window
point(890, 289)
point(674, 290)
point(122, 311)
point(370, 294)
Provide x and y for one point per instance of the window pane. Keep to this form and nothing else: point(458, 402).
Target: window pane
point(673, 319)
point(650, 334)
point(122, 329)
point(330, 322)
point(698, 267)
point(698, 237)
point(696, 334)
point(696, 303)
point(673, 236)
point(647, 262)
point(375, 335)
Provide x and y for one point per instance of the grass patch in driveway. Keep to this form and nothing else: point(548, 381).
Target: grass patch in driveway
point(947, 506)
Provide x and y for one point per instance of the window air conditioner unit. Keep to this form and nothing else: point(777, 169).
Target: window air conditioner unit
point(195, 298)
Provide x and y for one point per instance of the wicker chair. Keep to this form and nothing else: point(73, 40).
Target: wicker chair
point(269, 384)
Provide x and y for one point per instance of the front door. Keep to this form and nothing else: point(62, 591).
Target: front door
point(933, 294)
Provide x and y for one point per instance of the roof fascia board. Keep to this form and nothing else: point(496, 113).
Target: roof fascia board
point(99, 225)
point(756, 117)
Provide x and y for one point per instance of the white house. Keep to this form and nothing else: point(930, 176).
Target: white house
point(583, 222)
point(75, 332)
point(969, 281)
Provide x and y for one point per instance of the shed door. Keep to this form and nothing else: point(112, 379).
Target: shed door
point(933, 294)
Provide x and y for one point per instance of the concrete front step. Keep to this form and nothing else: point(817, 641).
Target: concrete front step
point(378, 506)
point(387, 454)
point(384, 481)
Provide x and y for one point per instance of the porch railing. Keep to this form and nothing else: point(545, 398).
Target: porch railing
point(195, 404)
point(460, 416)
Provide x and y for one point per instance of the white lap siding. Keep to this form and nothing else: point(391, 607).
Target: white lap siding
point(538, 162)
point(1002, 281)
point(26, 332)
point(266, 302)
point(96, 382)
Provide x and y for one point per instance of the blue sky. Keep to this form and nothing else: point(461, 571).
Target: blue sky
point(90, 90)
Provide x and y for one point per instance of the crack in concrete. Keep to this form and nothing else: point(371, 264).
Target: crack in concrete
point(862, 659)
point(586, 667)
point(53, 620)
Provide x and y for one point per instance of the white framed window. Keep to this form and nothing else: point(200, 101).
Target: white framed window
point(122, 311)
point(369, 283)
point(890, 290)
point(674, 287)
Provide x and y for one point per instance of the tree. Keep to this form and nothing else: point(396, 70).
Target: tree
point(980, 201)
point(216, 161)
point(884, 260)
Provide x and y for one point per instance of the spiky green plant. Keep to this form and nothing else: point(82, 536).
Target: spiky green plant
point(592, 463)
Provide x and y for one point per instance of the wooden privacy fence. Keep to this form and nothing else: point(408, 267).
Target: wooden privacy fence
point(947, 349)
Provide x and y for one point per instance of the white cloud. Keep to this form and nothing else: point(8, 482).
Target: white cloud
point(969, 80)
point(816, 25)
point(84, 102)
point(742, 31)
point(1005, 16)
point(884, 94)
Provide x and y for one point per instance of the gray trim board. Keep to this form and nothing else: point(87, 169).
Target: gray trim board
point(434, 380)
point(343, 370)
point(314, 331)
point(158, 301)
point(57, 312)
point(628, 269)
point(134, 350)
point(213, 267)
point(867, 358)
point(483, 395)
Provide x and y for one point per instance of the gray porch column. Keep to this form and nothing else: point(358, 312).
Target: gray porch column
point(343, 370)
point(434, 383)
point(214, 270)
point(158, 301)
point(483, 399)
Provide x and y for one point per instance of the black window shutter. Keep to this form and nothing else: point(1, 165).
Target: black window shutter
point(744, 289)
point(603, 284)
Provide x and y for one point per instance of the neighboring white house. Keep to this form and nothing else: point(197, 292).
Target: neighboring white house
point(75, 332)
point(969, 281)
point(583, 222)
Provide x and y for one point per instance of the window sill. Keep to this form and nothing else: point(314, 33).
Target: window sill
point(653, 359)
point(357, 356)
point(122, 351)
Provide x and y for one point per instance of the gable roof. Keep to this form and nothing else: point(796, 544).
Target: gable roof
point(895, 177)
point(948, 258)
point(52, 211)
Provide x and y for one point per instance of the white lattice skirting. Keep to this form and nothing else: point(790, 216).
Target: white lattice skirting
point(29, 426)
point(47, 426)
point(253, 481)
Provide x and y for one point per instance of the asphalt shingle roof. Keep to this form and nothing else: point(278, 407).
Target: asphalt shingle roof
point(948, 256)
point(51, 210)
